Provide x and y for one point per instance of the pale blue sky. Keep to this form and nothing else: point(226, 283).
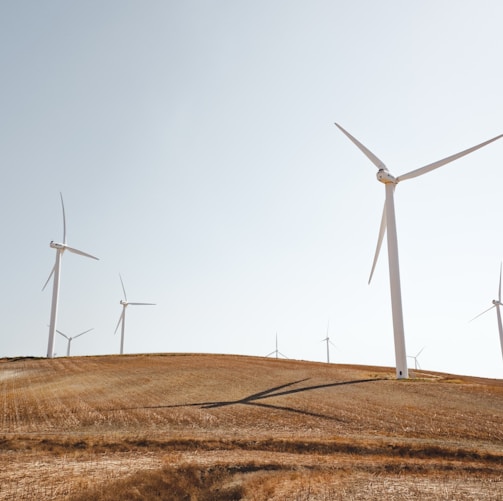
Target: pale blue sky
point(194, 145)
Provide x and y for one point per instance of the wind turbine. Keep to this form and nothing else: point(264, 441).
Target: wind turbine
point(71, 338)
point(388, 224)
point(496, 304)
point(56, 271)
point(415, 357)
point(122, 319)
point(327, 339)
point(276, 352)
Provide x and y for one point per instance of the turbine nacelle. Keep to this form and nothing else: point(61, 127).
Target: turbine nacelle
point(124, 303)
point(56, 245)
point(385, 177)
point(497, 303)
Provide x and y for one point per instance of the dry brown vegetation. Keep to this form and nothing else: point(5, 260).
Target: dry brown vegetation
point(221, 427)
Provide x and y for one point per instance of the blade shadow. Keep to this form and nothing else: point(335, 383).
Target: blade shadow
point(256, 396)
point(254, 399)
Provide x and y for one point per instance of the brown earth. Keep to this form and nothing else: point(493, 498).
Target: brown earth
point(221, 427)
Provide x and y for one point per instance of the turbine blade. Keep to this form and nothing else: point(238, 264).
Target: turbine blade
point(123, 288)
point(440, 163)
point(142, 304)
point(77, 251)
point(500, 328)
point(485, 311)
point(376, 161)
point(382, 231)
point(121, 318)
point(50, 275)
point(82, 333)
point(64, 218)
point(499, 290)
point(64, 335)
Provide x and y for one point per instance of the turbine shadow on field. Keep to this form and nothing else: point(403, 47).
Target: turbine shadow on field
point(277, 391)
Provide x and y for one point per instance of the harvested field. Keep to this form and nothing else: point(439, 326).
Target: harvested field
point(223, 427)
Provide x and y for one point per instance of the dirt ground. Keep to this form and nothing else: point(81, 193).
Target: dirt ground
point(86, 427)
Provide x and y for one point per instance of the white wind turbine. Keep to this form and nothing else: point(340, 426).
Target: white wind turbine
point(496, 304)
point(415, 357)
point(56, 271)
point(327, 340)
point(276, 352)
point(122, 319)
point(388, 224)
point(70, 338)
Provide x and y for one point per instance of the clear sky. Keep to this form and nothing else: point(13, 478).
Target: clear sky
point(195, 147)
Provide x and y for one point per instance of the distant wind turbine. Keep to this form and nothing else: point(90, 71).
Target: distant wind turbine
point(122, 319)
point(56, 271)
point(327, 340)
point(72, 338)
point(415, 357)
point(276, 352)
point(388, 223)
point(496, 304)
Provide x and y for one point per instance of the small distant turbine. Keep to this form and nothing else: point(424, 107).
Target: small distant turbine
point(72, 338)
point(122, 319)
point(496, 304)
point(56, 271)
point(388, 225)
point(415, 357)
point(276, 352)
point(327, 340)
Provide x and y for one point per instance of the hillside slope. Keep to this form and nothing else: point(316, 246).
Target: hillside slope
point(245, 428)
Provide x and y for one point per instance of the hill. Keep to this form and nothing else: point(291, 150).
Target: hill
point(189, 426)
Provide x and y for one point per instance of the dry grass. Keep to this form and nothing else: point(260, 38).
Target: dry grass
point(228, 427)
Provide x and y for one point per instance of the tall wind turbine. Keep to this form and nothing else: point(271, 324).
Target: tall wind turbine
point(56, 271)
point(388, 224)
point(122, 319)
point(71, 338)
point(327, 340)
point(276, 352)
point(496, 304)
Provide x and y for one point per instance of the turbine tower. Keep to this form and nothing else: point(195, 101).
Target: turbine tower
point(122, 319)
point(388, 224)
point(496, 304)
point(56, 271)
point(71, 338)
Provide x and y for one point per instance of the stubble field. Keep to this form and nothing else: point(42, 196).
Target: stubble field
point(221, 427)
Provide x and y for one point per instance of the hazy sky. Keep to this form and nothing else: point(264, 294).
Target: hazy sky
point(194, 145)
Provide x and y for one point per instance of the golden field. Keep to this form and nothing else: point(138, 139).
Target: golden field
point(222, 427)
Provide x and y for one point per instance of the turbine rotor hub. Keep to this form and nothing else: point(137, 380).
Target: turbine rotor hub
point(124, 303)
point(385, 177)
